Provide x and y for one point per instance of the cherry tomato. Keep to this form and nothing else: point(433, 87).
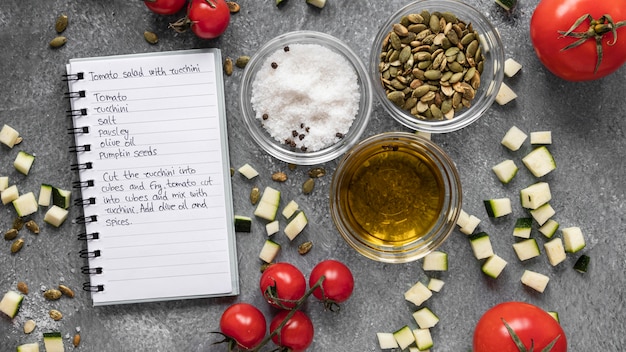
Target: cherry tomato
point(553, 18)
point(530, 323)
point(165, 7)
point(282, 284)
point(244, 323)
point(296, 334)
point(209, 18)
point(338, 281)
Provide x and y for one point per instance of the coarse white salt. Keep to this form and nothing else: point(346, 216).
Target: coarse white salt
point(306, 95)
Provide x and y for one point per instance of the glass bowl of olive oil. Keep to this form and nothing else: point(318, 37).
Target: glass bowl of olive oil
point(395, 197)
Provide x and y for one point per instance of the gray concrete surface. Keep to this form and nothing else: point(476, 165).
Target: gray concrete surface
point(587, 121)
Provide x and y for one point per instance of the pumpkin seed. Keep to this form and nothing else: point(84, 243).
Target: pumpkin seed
point(10, 235)
point(317, 172)
point(17, 245)
point(32, 226)
point(61, 23)
point(305, 247)
point(18, 223)
point(29, 326)
point(55, 315)
point(52, 294)
point(228, 66)
point(22, 287)
point(151, 37)
point(58, 42)
point(233, 7)
point(242, 61)
point(279, 176)
point(308, 185)
point(66, 291)
point(76, 340)
point(255, 195)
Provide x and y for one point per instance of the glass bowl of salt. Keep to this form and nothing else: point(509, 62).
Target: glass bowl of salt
point(305, 97)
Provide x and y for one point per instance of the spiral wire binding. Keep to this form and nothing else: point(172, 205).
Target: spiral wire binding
point(85, 201)
point(88, 287)
point(73, 95)
point(84, 253)
point(83, 184)
point(78, 130)
point(89, 236)
point(91, 271)
point(86, 219)
point(80, 148)
point(81, 166)
point(77, 112)
point(73, 76)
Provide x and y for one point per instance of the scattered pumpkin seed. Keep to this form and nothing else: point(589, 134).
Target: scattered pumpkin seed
point(317, 172)
point(308, 185)
point(55, 314)
point(279, 176)
point(305, 247)
point(233, 7)
point(255, 195)
point(32, 226)
point(58, 42)
point(292, 166)
point(61, 23)
point(17, 245)
point(66, 291)
point(18, 223)
point(228, 66)
point(151, 37)
point(22, 287)
point(29, 326)
point(52, 294)
point(76, 340)
point(10, 235)
point(242, 61)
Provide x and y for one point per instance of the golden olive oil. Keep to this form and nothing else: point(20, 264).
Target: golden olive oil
point(395, 195)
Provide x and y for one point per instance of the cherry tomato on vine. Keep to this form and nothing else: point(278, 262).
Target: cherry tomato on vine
point(338, 281)
point(531, 324)
point(576, 40)
point(282, 284)
point(244, 324)
point(165, 7)
point(209, 18)
point(296, 334)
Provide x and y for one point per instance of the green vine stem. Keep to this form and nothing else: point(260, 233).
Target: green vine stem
point(596, 30)
point(520, 344)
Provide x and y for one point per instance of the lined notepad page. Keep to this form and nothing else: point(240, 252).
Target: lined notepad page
point(159, 162)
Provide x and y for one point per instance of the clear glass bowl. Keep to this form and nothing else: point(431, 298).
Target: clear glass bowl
point(395, 197)
point(279, 149)
point(491, 77)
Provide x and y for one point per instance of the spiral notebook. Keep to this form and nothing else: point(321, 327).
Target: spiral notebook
point(154, 176)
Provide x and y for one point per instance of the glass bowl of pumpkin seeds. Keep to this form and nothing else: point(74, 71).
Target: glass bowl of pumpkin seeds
point(437, 65)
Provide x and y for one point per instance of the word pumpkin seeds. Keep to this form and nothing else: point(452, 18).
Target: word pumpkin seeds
point(430, 64)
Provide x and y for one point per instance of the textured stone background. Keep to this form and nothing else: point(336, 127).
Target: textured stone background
point(587, 120)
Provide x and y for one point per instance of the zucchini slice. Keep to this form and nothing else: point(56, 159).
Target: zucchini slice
point(523, 227)
point(23, 162)
point(45, 195)
point(53, 342)
point(55, 216)
point(494, 266)
point(272, 227)
point(28, 347)
point(555, 251)
point(498, 207)
point(386, 340)
point(582, 263)
point(542, 214)
point(548, 229)
point(505, 94)
point(269, 251)
point(505, 170)
point(61, 197)
point(9, 136)
point(514, 138)
point(511, 67)
point(26, 204)
point(535, 280)
point(296, 225)
point(541, 137)
point(435, 284)
point(4, 183)
point(423, 339)
point(481, 245)
point(435, 261)
point(11, 303)
point(574, 239)
point(290, 209)
point(526, 249)
point(268, 204)
point(425, 318)
point(404, 337)
point(539, 161)
point(10, 194)
point(418, 294)
point(243, 223)
point(536, 195)
point(248, 171)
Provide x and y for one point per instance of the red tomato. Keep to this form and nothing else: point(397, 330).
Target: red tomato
point(209, 18)
point(165, 7)
point(244, 323)
point(530, 323)
point(552, 18)
point(296, 334)
point(282, 284)
point(338, 281)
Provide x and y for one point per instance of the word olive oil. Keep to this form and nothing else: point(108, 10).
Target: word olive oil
point(394, 195)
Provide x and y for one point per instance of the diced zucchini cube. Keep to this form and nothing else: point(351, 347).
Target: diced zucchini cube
point(290, 209)
point(53, 342)
point(26, 204)
point(470, 226)
point(45, 195)
point(573, 238)
point(481, 245)
point(243, 223)
point(505, 170)
point(404, 337)
point(61, 197)
point(23, 162)
point(435, 261)
point(423, 339)
point(4, 183)
point(523, 227)
point(514, 138)
point(494, 266)
point(582, 263)
point(505, 95)
point(386, 340)
point(28, 347)
point(536, 195)
point(435, 284)
point(317, 3)
point(269, 251)
point(462, 219)
point(511, 67)
point(248, 171)
point(498, 207)
point(418, 294)
point(535, 280)
point(548, 229)
point(296, 225)
point(526, 249)
point(55, 216)
point(542, 214)
point(10, 194)
point(268, 204)
point(8, 136)
point(11, 303)
point(541, 137)
point(555, 251)
point(539, 161)
point(554, 315)
point(425, 318)
point(272, 227)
